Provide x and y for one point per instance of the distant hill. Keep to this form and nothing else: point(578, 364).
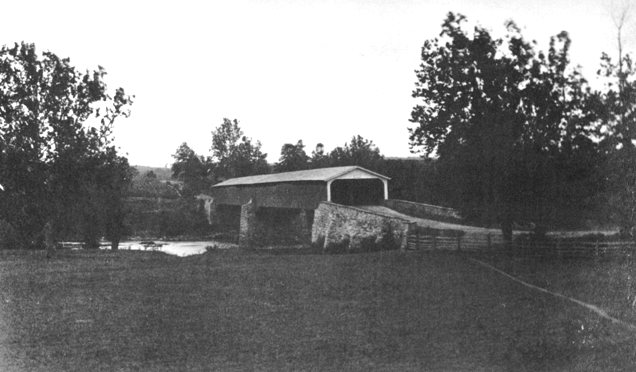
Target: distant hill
point(163, 174)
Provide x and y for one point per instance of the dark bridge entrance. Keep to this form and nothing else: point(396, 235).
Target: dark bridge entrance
point(357, 191)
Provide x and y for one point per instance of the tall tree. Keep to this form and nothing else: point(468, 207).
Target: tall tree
point(619, 129)
point(105, 179)
point(498, 114)
point(54, 120)
point(358, 151)
point(292, 158)
point(623, 97)
point(234, 153)
point(193, 170)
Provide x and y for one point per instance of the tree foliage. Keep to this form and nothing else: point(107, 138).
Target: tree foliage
point(619, 197)
point(416, 179)
point(359, 151)
point(234, 153)
point(504, 120)
point(292, 158)
point(105, 180)
point(193, 170)
point(319, 159)
point(55, 139)
point(618, 133)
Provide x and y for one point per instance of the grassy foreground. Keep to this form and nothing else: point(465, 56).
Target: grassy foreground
point(607, 283)
point(232, 310)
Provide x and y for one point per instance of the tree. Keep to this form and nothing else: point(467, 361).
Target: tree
point(318, 157)
point(54, 122)
point(292, 158)
point(358, 151)
point(112, 180)
point(620, 98)
point(417, 180)
point(234, 153)
point(502, 118)
point(618, 131)
point(193, 170)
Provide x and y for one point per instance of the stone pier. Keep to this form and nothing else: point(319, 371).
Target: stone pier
point(248, 226)
point(263, 226)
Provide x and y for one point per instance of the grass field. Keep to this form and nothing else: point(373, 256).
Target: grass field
point(274, 310)
point(607, 283)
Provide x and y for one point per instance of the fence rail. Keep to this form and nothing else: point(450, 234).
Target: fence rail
point(552, 248)
point(574, 248)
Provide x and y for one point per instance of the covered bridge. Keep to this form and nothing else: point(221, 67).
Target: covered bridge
point(279, 207)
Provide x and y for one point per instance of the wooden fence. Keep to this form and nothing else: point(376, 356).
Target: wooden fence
point(566, 248)
point(424, 238)
point(431, 240)
point(467, 242)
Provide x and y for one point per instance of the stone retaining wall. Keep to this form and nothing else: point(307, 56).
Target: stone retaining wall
point(344, 228)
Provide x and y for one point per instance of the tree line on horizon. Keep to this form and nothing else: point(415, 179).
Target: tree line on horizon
point(235, 155)
point(412, 179)
point(514, 135)
point(508, 134)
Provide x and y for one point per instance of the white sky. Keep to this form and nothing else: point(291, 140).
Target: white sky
point(320, 71)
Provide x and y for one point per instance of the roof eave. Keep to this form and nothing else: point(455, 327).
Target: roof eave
point(358, 168)
point(266, 183)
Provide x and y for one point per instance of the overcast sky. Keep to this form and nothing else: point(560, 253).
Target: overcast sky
point(320, 71)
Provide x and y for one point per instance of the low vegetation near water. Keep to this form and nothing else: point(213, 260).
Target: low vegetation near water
point(295, 310)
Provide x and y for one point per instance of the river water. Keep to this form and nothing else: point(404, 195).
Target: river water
point(180, 249)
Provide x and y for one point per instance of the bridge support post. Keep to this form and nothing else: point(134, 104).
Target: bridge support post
point(304, 226)
point(247, 229)
point(212, 212)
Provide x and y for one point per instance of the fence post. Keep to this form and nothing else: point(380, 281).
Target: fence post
point(489, 242)
point(417, 239)
point(596, 248)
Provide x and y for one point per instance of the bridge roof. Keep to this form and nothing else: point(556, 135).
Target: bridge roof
point(311, 175)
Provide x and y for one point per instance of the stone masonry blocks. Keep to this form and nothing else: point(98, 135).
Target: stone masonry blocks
point(353, 229)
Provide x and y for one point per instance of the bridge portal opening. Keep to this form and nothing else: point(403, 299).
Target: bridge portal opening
point(357, 191)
